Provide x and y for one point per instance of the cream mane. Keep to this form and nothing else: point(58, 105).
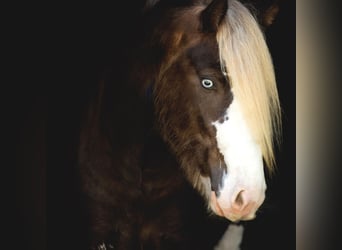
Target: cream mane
point(244, 53)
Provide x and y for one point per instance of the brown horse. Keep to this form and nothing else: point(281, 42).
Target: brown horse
point(180, 129)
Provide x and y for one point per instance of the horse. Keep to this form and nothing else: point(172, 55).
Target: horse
point(179, 132)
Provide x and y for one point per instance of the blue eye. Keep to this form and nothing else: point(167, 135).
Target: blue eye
point(207, 83)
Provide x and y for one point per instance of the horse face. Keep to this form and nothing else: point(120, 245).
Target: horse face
point(205, 127)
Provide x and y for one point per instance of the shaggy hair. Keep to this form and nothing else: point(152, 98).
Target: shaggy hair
point(244, 53)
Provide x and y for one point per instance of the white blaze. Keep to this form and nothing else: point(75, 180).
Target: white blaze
point(243, 158)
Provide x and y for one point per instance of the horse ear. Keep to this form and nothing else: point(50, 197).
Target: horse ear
point(268, 16)
point(265, 10)
point(213, 14)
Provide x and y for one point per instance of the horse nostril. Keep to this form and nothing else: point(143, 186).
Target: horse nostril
point(240, 200)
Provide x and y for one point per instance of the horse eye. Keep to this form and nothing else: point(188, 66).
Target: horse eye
point(208, 84)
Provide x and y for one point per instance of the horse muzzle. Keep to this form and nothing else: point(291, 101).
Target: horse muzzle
point(239, 205)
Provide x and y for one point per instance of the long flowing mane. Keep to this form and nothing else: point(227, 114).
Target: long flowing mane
point(244, 53)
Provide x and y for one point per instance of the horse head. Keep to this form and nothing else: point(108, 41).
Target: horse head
point(215, 100)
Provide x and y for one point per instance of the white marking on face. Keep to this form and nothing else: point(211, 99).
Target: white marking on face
point(245, 173)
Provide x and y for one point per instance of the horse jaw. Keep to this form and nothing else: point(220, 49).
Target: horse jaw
point(243, 185)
